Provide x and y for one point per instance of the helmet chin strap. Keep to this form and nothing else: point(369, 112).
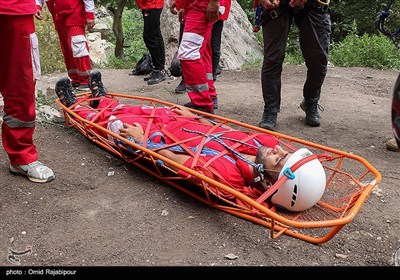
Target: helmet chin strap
point(261, 175)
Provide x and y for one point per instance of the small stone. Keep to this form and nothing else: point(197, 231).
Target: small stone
point(340, 256)
point(231, 257)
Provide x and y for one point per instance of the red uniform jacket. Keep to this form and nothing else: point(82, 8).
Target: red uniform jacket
point(150, 4)
point(17, 7)
point(68, 12)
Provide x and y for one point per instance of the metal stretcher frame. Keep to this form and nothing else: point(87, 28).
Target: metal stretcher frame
point(350, 178)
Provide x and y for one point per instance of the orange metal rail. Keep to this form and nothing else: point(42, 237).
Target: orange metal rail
point(350, 178)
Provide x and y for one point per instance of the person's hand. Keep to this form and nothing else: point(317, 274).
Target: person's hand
point(172, 7)
point(269, 4)
point(135, 131)
point(296, 3)
point(90, 24)
point(39, 15)
point(212, 12)
point(182, 111)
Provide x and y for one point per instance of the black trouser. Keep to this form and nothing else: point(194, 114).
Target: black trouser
point(314, 37)
point(216, 45)
point(153, 38)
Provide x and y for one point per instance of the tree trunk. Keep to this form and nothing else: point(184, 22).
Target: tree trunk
point(117, 29)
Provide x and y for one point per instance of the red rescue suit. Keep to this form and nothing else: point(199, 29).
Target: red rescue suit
point(195, 54)
point(20, 68)
point(69, 18)
point(225, 9)
point(171, 127)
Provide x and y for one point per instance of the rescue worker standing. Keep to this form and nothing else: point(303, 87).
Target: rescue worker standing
point(394, 143)
point(314, 24)
point(216, 34)
point(70, 18)
point(20, 68)
point(195, 52)
point(153, 38)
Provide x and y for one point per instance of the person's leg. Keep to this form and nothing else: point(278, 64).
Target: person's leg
point(153, 38)
point(80, 53)
point(75, 50)
point(394, 144)
point(67, 53)
point(18, 88)
point(155, 44)
point(19, 71)
point(181, 88)
point(275, 33)
point(216, 46)
point(314, 36)
point(195, 55)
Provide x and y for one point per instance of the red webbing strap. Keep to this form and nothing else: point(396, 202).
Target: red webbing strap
point(195, 156)
point(102, 111)
point(282, 179)
point(148, 127)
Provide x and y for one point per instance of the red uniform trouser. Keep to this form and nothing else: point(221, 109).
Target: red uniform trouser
point(18, 48)
point(195, 56)
point(75, 50)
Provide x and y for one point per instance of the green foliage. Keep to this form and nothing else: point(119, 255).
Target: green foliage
point(51, 58)
point(132, 21)
point(375, 51)
point(248, 8)
point(252, 62)
point(132, 24)
point(117, 63)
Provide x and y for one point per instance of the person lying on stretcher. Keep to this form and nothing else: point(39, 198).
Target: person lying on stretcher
point(249, 162)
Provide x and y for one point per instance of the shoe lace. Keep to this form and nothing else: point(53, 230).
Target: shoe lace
point(34, 164)
point(314, 107)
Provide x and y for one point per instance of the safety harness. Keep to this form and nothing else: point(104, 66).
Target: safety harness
point(262, 16)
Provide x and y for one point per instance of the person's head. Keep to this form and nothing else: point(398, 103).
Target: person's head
point(303, 188)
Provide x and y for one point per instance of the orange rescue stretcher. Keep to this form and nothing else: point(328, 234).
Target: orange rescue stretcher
point(350, 178)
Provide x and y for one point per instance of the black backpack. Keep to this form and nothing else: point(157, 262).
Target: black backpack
point(143, 66)
point(175, 69)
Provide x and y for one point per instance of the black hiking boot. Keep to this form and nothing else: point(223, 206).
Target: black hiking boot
point(268, 121)
point(157, 76)
point(312, 114)
point(65, 92)
point(96, 87)
point(181, 88)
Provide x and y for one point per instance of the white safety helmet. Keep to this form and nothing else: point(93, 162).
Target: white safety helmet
point(306, 187)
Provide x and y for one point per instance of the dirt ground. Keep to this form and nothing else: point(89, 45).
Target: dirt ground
point(87, 218)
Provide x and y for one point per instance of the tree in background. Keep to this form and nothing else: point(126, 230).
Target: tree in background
point(116, 7)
